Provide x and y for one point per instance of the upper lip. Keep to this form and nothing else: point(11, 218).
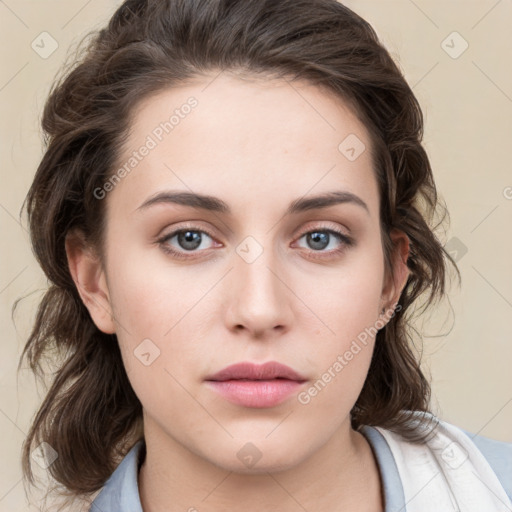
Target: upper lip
point(252, 371)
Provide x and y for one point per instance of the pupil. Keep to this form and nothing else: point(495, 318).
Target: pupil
point(189, 239)
point(319, 240)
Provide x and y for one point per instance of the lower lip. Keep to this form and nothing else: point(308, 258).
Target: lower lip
point(256, 393)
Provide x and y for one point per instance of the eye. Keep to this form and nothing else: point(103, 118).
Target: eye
point(189, 241)
point(186, 240)
point(318, 240)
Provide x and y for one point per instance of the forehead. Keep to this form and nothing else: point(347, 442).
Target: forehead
point(248, 137)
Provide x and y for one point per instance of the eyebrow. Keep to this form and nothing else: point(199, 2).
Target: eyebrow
point(214, 204)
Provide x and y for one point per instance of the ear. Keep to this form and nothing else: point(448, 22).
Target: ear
point(89, 276)
point(394, 284)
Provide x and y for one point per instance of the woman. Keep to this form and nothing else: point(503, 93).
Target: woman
point(233, 210)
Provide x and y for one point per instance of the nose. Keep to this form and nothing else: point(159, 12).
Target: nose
point(259, 297)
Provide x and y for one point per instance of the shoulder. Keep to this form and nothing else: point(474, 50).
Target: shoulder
point(464, 460)
point(499, 456)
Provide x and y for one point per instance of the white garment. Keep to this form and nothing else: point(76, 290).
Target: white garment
point(447, 473)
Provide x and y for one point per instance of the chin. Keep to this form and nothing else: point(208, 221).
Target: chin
point(258, 457)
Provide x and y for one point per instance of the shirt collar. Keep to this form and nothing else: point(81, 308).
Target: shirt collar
point(121, 491)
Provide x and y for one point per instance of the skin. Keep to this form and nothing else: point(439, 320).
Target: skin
point(258, 145)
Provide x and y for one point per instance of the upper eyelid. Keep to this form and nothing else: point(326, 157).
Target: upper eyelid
point(301, 231)
point(326, 226)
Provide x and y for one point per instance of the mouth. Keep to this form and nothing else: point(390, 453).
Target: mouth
point(256, 386)
point(252, 371)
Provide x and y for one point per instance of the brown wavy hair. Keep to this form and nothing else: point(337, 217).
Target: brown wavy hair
point(91, 415)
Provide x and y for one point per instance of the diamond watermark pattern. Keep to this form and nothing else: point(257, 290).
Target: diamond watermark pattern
point(249, 249)
point(351, 147)
point(146, 352)
point(249, 454)
point(456, 248)
point(44, 45)
point(44, 455)
point(454, 455)
point(454, 45)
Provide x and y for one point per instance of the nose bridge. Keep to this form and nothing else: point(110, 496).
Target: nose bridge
point(259, 300)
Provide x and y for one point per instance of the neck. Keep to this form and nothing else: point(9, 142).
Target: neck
point(340, 475)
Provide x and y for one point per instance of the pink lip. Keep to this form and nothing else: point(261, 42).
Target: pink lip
point(248, 370)
point(254, 385)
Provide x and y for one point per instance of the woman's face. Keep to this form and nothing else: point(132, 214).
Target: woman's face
point(247, 283)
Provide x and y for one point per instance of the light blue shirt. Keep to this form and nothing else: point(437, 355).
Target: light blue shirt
point(121, 493)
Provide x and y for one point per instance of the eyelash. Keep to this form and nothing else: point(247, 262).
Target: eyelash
point(346, 242)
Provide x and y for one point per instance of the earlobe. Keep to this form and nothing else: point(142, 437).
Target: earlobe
point(89, 277)
point(394, 284)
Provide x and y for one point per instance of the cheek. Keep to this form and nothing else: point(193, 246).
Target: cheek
point(342, 357)
point(346, 314)
point(159, 314)
point(150, 298)
point(345, 300)
point(154, 334)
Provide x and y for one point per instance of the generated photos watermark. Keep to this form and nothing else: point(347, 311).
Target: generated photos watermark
point(305, 397)
point(152, 140)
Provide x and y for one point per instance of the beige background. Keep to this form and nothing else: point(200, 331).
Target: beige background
point(467, 102)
